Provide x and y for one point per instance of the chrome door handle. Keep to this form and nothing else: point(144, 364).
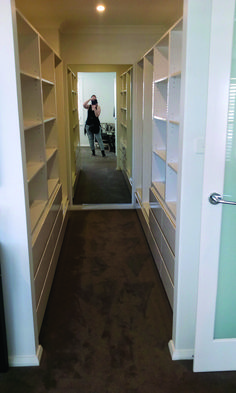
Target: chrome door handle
point(215, 198)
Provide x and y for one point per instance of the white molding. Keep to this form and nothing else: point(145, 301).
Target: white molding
point(180, 354)
point(26, 360)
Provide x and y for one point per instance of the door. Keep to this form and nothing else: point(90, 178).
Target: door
point(215, 343)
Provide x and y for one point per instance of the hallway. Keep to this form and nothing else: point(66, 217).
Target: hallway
point(108, 321)
point(99, 181)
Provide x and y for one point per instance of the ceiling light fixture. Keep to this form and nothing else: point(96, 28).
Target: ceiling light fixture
point(100, 8)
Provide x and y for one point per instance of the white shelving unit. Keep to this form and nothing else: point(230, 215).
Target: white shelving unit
point(138, 127)
point(165, 146)
point(37, 70)
point(38, 64)
point(34, 219)
point(166, 116)
point(74, 126)
point(125, 126)
point(171, 218)
point(158, 79)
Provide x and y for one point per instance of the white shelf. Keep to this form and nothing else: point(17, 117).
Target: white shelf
point(172, 207)
point(29, 75)
point(174, 166)
point(47, 82)
point(175, 74)
point(33, 168)
point(160, 188)
point(50, 153)
point(47, 119)
point(161, 80)
point(161, 154)
point(146, 207)
point(160, 118)
point(36, 210)
point(52, 184)
point(28, 124)
point(177, 122)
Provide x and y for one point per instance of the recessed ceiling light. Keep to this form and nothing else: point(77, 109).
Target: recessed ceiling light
point(100, 8)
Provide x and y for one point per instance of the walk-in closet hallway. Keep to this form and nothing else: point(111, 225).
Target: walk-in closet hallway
point(108, 321)
point(99, 181)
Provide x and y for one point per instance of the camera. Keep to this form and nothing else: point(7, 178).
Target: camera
point(94, 102)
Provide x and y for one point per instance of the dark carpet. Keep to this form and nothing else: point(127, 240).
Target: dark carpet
point(108, 321)
point(99, 181)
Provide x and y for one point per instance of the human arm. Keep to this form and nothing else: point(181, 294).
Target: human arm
point(86, 104)
point(97, 110)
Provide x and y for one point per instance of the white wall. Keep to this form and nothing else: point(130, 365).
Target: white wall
point(102, 85)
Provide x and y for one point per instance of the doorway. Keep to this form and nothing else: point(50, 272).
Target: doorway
point(100, 180)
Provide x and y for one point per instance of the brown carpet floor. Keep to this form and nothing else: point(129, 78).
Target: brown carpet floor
point(108, 321)
point(99, 181)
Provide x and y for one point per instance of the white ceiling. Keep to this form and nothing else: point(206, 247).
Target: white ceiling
point(71, 14)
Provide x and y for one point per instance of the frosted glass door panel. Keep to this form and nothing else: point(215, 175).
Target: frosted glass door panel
point(225, 322)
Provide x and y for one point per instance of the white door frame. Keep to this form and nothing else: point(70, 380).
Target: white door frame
point(211, 354)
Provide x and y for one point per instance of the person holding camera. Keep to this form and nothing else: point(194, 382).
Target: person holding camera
point(92, 125)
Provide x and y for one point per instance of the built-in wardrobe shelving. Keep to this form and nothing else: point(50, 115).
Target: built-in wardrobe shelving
point(125, 125)
point(74, 125)
point(143, 126)
point(169, 159)
point(166, 117)
point(159, 79)
point(37, 75)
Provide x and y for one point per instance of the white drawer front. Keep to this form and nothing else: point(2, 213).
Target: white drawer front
point(155, 208)
point(40, 243)
point(156, 230)
point(169, 258)
point(46, 258)
point(168, 285)
point(43, 268)
point(169, 232)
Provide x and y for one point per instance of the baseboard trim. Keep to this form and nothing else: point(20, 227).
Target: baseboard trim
point(180, 354)
point(115, 206)
point(26, 360)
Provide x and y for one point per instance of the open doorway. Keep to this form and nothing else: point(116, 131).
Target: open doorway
point(103, 85)
point(100, 180)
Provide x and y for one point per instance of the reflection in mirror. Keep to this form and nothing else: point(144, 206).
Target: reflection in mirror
point(99, 179)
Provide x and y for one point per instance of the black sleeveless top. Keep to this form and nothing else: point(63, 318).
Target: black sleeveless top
point(92, 119)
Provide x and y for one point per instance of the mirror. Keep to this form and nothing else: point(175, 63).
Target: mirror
point(101, 180)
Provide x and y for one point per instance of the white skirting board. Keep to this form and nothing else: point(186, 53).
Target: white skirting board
point(26, 360)
point(180, 354)
point(112, 206)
